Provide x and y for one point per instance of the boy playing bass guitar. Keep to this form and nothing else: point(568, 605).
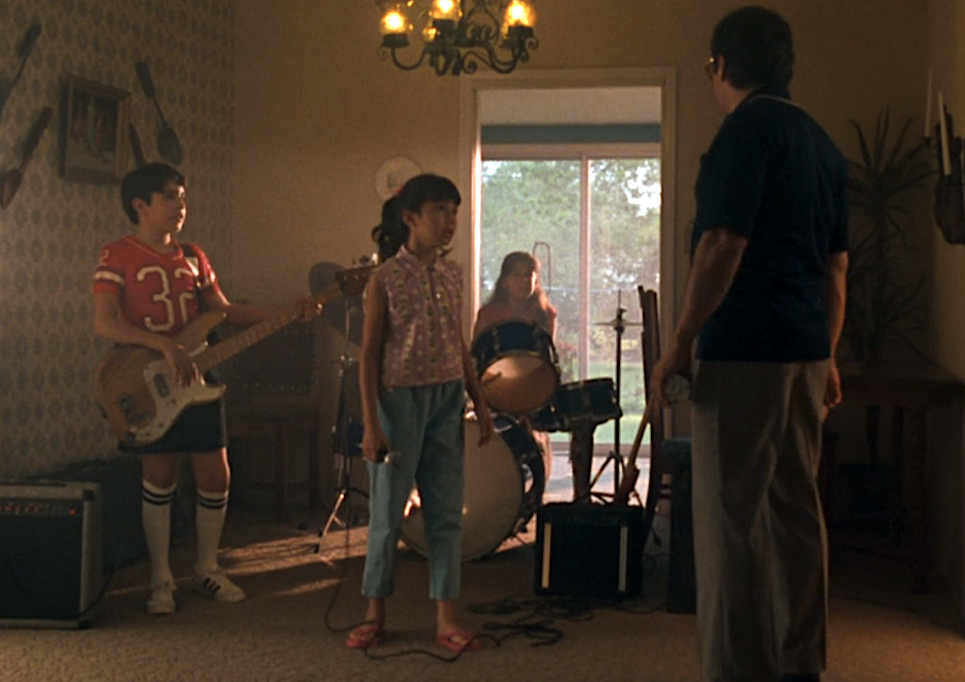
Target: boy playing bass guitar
point(146, 290)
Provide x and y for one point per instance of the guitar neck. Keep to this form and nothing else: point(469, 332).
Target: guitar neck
point(214, 355)
point(638, 439)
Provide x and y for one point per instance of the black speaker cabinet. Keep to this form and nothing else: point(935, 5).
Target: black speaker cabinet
point(681, 579)
point(589, 550)
point(50, 553)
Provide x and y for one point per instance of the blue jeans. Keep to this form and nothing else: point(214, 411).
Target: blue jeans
point(424, 425)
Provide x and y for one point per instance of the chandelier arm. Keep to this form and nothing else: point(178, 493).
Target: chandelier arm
point(480, 9)
point(471, 58)
point(386, 52)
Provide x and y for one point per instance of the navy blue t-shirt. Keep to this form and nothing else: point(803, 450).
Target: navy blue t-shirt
point(774, 176)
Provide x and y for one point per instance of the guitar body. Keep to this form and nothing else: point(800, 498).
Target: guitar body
point(631, 473)
point(137, 394)
point(140, 400)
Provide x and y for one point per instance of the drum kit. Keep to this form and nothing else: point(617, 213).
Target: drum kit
point(505, 479)
point(518, 368)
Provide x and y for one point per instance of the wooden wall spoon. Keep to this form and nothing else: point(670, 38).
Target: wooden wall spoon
point(12, 178)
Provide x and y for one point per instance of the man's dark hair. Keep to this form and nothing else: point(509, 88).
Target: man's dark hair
point(142, 182)
point(757, 46)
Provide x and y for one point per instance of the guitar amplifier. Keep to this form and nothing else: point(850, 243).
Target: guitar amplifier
point(589, 550)
point(50, 553)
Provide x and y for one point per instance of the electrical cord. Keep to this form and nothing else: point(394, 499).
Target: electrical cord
point(535, 616)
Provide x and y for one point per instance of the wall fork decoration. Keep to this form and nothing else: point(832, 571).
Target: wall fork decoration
point(949, 197)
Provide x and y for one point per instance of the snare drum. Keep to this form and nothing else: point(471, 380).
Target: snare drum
point(517, 365)
point(503, 488)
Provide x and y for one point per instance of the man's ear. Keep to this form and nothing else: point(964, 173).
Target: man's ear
point(722, 67)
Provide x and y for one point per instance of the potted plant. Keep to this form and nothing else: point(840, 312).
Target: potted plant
point(883, 312)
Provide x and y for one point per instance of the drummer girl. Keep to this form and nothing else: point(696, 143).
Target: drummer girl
point(519, 296)
point(415, 370)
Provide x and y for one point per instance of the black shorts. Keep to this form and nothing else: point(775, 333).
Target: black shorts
point(200, 428)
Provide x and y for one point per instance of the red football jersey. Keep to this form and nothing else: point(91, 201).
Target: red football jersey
point(157, 291)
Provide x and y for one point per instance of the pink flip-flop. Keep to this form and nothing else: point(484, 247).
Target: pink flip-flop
point(459, 641)
point(365, 636)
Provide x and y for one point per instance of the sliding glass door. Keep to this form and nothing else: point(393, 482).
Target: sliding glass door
point(593, 220)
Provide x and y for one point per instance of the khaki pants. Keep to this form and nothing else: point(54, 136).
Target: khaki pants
point(759, 537)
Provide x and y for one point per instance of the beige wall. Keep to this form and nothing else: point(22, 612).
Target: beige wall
point(318, 112)
point(945, 51)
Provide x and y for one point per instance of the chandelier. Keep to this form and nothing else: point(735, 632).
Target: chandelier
point(458, 35)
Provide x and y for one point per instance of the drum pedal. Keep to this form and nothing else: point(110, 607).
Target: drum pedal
point(589, 550)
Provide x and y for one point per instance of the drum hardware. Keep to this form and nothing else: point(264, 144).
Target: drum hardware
point(346, 441)
point(581, 461)
point(619, 325)
point(504, 482)
point(546, 282)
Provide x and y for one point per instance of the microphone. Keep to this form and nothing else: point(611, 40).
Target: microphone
point(390, 457)
point(677, 388)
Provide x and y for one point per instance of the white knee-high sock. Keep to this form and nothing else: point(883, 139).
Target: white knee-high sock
point(209, 518)
point(156, 519)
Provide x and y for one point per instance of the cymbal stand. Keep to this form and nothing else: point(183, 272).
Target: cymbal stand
point(343, 446)
point(619, 325)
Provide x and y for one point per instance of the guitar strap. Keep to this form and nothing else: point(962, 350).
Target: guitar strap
point(191, 252)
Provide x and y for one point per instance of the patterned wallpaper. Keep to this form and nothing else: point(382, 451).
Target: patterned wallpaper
point(52, 231)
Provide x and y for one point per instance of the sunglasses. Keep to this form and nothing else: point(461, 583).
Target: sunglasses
point(710, 68)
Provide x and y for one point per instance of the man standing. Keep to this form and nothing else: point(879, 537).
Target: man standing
point(765, 302)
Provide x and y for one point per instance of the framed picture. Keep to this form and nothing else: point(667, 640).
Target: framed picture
point(95, 131)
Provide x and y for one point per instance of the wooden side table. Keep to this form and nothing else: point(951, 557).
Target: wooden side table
point(912, 389)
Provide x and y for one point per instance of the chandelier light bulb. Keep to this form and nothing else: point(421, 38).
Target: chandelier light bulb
point(446, 9)
point(520, 13)
point(393, 22)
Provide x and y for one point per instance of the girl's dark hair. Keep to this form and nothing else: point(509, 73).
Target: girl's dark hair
point(142, 182)
point(757, 46)
point(538, 302)
point(392, 232)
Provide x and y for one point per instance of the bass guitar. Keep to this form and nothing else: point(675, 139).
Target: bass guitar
point(134, 385)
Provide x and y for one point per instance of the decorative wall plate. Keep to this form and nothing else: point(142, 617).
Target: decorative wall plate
point(393, 174)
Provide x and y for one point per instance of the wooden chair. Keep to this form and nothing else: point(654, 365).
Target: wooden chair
point(663, 451)
point(670, 466)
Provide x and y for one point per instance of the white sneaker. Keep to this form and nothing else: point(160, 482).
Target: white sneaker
point(161, 600)
point(215, 584)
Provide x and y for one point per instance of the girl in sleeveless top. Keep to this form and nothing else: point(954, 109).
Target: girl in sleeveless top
point(415, 369)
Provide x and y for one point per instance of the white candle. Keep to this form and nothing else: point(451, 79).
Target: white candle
point(943, 128)
point(928, 128)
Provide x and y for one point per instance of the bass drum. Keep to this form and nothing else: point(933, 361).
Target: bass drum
point(517, 365)
point(503, 488)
